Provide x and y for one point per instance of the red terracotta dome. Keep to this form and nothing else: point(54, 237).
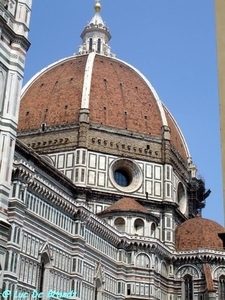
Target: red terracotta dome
point(198, 233)
point(125, 204)
point(115, 93)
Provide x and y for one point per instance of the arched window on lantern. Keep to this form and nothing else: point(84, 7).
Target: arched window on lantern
point(90, 44)
point(99, 46)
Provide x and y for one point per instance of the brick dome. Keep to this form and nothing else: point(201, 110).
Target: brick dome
point(115, 94)
point(125, 204)
point(198, 233)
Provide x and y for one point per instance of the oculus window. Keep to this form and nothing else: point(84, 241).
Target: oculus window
point(125, 175)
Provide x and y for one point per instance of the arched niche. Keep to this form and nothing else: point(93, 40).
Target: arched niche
point(45, 264)
point(142, 260)
point(139, 227)
point(120, 224)
point(98, 289)
point(152, 230)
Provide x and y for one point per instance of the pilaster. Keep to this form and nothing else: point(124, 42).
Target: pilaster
point(14, 28)
point(5, 229)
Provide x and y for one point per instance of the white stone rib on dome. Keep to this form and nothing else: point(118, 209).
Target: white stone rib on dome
point(87, 80)
point(41, 72)
point(182, 136)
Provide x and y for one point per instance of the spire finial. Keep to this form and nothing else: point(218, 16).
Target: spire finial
point(97, 5)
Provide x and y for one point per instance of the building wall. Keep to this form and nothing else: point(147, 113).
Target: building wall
point(14, 28)
point(76, 247)
point(220, 32)
point(59, 237)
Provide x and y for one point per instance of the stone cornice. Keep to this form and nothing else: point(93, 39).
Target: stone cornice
point(125, 133)
point(14, 37)
point(43, 188)
point(203, 255)
point(50, 129)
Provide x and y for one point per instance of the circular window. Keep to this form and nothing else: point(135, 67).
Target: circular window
point(122, 177)
point(181, 198)
point(125, 175)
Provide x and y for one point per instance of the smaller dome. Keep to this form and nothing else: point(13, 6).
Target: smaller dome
point(125, 204)
point(198, 233)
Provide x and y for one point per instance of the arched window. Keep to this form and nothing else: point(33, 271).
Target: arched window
point(99, 46)
point(12, 261)
point(14, 236)
point(142, 260)
point(188, 287)
point(6, 260)
point(164, 269)
point(41, 276)
point(12, 290)
point(221, 287)
point(15, 263)
point(78, 288)
point(139, 227)
point(6, 4)
point(1, 90)
point(120, 224)
point(156, 265)
point(90, 44)
point(153, 227)
point(98, 289)
point(45, 261)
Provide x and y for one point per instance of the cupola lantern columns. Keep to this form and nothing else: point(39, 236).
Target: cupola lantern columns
point(96, 35)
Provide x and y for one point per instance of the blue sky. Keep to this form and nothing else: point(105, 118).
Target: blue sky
point(173, 43)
